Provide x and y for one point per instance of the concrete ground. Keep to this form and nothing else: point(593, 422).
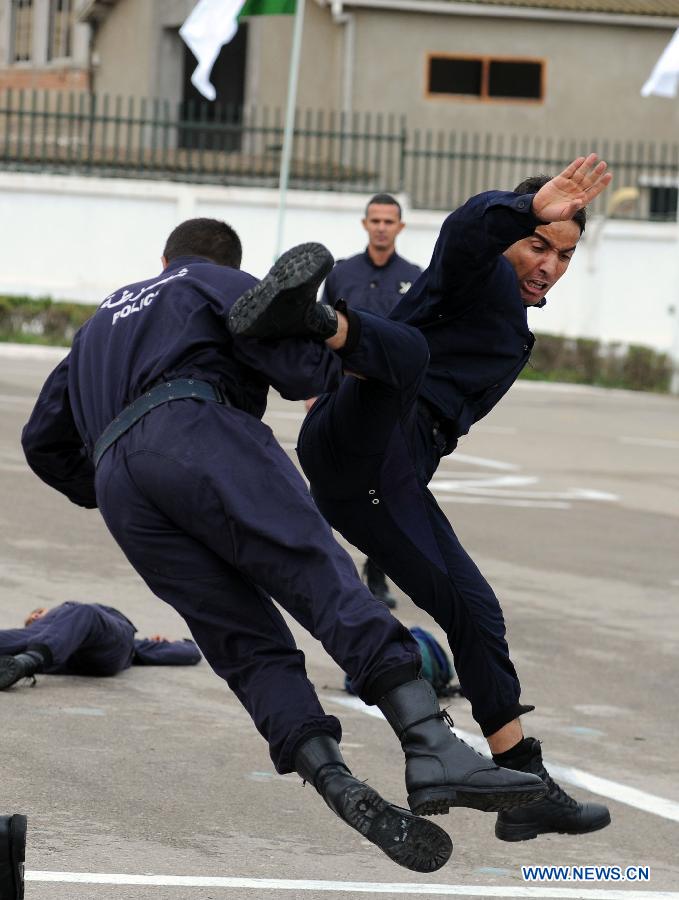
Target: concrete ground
point(155, 785)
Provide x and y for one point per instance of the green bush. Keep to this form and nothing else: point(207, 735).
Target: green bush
point(41, 321)
point(584, 361)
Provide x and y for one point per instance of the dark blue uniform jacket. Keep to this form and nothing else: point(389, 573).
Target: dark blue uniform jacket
point(363, 285)
point(468, 306)
point(170, 326)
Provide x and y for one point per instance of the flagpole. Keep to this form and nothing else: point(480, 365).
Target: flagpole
point(289, 123)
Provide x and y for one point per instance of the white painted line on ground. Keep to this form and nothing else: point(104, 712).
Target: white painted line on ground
point(564, 387)
point(496, 501)
point(501, 490)
point(485, 463)
point(354, 887)
point(502, 486)
point(650, 442)
point(613, 790)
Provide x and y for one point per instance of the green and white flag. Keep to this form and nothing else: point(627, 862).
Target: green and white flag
point(213, 23)
point(664, 78)
point(267, 8)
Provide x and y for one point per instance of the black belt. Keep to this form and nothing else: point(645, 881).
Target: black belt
point(179, 389)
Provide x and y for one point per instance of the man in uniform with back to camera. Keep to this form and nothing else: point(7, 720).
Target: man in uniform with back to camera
point(370, 448)
point(154, 417)
point(374, 280)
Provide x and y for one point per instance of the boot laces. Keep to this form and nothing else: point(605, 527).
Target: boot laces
point(556, 792)
point(447, 718)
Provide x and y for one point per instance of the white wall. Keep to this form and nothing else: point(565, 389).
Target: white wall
point(80, 238)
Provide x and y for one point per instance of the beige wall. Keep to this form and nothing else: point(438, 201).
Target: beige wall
point(141, 55)
point(320, 68)
point(594, 72)
point(126, 48)
point(594, 75)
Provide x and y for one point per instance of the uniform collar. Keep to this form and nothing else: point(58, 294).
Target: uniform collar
point(370, 262)
point(180, 261)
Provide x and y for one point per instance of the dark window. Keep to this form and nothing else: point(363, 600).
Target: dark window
point(455, 76)
point(22, 30)
point(663, 203)
point(485, 78)
point(515, 79)
point(225, 116)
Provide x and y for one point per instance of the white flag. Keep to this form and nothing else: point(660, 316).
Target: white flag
point(665, 75)
point(211, 25)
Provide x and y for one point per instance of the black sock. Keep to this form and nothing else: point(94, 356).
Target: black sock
point(353, 328)
point(517, 752)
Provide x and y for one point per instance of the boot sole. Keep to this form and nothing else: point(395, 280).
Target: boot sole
point(14, 853)
point(506, 831)
point(414, 843)
point(264, 311)
point(9, 672)
point(437, 801)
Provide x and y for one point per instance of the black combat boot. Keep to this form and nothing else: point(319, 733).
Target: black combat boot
point(377, 584)
point(12, 856)
point(556, 812)
point(441, 770)
point(283, 304)
point(409, 841)
point(14, 668)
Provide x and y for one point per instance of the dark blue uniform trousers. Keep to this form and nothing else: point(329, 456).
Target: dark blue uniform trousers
point(77, 639)
point(216, 519)
point(369, 456)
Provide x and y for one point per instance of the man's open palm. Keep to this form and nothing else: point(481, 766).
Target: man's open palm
point(578, 184)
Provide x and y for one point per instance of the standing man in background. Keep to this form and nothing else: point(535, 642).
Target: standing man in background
point(377, 278)
point(374, 280)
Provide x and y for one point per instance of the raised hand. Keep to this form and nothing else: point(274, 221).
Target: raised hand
point(578, 184)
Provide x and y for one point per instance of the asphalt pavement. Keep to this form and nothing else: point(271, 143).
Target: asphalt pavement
point(155, 785)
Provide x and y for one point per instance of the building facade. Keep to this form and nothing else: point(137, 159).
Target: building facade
point(563, 68)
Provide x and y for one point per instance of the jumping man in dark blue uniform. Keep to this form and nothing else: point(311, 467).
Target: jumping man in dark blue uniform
point(374, 280)
point(370, 451)
point(154, 417)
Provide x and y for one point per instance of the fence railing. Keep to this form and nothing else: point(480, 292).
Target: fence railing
point(207, 142)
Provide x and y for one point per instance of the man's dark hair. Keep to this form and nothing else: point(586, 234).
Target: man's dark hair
point(210, 238)
point(383, 200)
point(533, 184)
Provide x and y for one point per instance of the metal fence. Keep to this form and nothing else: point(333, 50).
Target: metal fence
point(207, 142)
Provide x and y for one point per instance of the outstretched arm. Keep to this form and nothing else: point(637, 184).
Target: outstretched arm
point(157, 651)
point(571, 190)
